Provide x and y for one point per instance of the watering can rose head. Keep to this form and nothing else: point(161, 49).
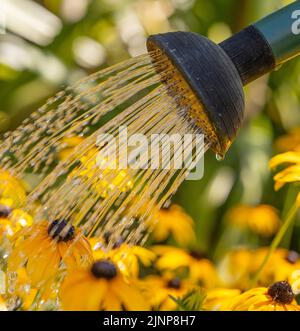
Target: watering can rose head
point(207, 73)
point(216, 73)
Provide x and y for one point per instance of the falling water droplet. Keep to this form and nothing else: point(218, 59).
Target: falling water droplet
point(220, 157)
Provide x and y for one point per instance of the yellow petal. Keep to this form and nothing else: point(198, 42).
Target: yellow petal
point(173, 260)
point(111, 302)
point(82, 292)
point(289, 157)
point(130, 296)
point(43, 266)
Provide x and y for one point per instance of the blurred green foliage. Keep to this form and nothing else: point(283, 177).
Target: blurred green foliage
point(98, 33)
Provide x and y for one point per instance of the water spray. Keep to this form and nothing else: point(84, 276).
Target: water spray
point(186, 85)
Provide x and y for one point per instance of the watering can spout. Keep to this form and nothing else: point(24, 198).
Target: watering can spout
point(216, 74)
point(251, 54)
point(267, 44)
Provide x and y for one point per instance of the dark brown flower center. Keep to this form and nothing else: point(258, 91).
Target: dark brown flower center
point(198, 255)
point(104, 269)
point(281, 292)
point(174, 283)
point(292, 257)
point(61, 230)
point(5, 211)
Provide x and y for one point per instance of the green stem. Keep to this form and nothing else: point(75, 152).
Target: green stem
point(276, 241)
point(290, 198)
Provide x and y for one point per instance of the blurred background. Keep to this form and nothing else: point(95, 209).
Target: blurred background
point(47, 44)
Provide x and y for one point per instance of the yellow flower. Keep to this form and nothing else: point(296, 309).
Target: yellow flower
point(100, 287)
point(67, 146)
point(94, 164)
point(44, 248)
point(234, 268)
point(219, 298)
point(158, 290)
point(278, 297)
point(200, 268)
point(281, 265)
point(12, 189)
point(238, 266)
point(289, 142)
point(173, 221)
point(261, 219)
point(126, 257)
point(291, 174)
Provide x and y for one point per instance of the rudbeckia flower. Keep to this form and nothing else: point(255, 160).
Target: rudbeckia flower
point(173, 221)
point(234, 268)
point(219, 298)
point(261, 219)
point(238, 266)
point(126, 256)
point(158, 290)
point(100, 287)
point(278, 297)
point(200, 268)
point(95, 167)
point(281, 265)
point(291, 174)
point(44, 247)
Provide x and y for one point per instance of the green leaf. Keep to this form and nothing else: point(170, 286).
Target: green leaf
point(191, 301)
